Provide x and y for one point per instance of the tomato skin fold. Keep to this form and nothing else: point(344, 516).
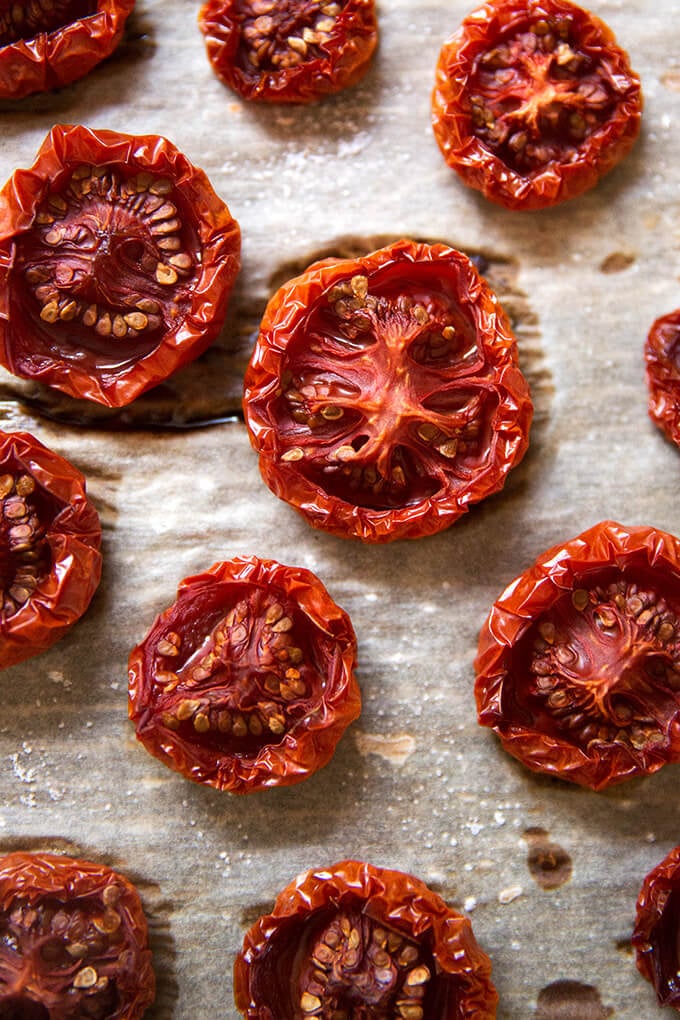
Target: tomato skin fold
point(585, 160)
point(37, 886)
point(662, 351)
point(70, 530)
point(334, 64)
point(247, 593)
point(449, 427)
point(58, 57)
point(656, 926)
point(606, 606)
point(269, 970)
point(62, 355)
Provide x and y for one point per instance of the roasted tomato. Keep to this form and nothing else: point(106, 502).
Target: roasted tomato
point(358, 941)
point(662, 358)
point(50, 535)
point(48, 43)
point(247, 681)
point(578, 669)
point(73, 941)
point(657, 925)
point(534, 101)
point(116, 263)
point(289, 52)
point(384, 395)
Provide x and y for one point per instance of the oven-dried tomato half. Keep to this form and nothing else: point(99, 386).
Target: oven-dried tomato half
point(578, 668)
point(48, 43)
point(384, 394)
point(116, 263)
point(662, 359)
point(294, 51)
point(73, 941)
point(657, 922)
point(247, 681)
point(50, 535)
point(534, 101)
point(354, 940)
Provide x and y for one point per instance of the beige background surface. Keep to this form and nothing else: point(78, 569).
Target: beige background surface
point(415, 784)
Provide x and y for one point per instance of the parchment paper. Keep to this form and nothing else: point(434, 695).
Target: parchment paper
point(415, 784)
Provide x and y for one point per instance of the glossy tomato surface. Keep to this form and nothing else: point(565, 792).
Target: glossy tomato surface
point(354, 940)
point(657, 923)
point(73, 941)
point(50, 536)
point(48, 43)
point(384, 394)
point(247, 681)
point(293, 51)
point(116, 263)
point(534, 101)
point(662, 359)
point(578, 667)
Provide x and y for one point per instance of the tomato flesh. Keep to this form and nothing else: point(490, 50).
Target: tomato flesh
point(25, 556)
point(24, 21)
point(657, 924)
point(662, 359)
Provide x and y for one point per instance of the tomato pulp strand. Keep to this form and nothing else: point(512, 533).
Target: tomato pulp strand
point(384, 395)
point(578, 667)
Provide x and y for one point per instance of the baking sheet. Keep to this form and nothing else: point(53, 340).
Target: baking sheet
point(415, 784)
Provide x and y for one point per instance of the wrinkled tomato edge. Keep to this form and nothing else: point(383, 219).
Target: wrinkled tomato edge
point(52, 59)
point(347, 55)
point(392, 898)
point(512, 419)
point(532, 594)
point(67, 147)
point(477, 165)
point(34, 876)
point(662, 349)
point(656, 890)
point(309, 745)
point(74, 538)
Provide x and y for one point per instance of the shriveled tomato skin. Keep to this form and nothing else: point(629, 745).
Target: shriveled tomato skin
point(34, 349)
point(578, 664)
point(58, 57)
point(386, 397)
point(394, 908)
point(662, 360)
point(239, 594)
point(71, 533)
point(655, 936)
point(586, 162)
point(326, 66)
point(37, 886)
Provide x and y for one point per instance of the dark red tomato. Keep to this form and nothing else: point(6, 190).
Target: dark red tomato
point(50, 535)
point(293, 51)
point(73, 941)
point(534, 102)
point(662, 358)
point(116, 263)
point(48, 43)
point(384, 395)
point(657, 924)
point(578, 668)
point(247, 681)
point(358, 941)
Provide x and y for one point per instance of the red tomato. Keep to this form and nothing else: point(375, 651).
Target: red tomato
point(48, 43)
point(116, 263)
point(534, 101)
point(384, 395)
point(655, 937)
point(247, 681)
point(662, 357)
point(74, 941)
point(354, 940)
point(293, 51)
point(50, 535)
point(578, 668)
